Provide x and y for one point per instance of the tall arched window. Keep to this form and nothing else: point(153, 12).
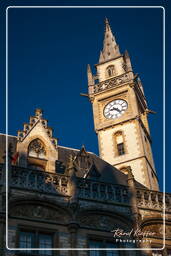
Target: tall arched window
point(119, 142)
point(110, 71)
point(37, 149)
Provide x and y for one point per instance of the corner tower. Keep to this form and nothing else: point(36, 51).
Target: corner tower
point(120, 113)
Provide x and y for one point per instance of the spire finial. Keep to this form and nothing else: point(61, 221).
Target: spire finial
point(38, 112)
point(107, 25)
point(88, 68)
point(106, 21)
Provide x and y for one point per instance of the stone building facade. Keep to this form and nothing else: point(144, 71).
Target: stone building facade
point(61, 197)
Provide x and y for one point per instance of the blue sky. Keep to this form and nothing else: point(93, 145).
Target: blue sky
point(49, 50)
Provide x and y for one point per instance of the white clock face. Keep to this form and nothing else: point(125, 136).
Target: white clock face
point(115, 109)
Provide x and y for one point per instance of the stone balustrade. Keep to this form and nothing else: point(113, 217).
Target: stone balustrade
point(46, 182)
point(95, 190)
point(153, 200)
point(36, 180)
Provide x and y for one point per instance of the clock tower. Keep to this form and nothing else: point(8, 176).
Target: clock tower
point(120, 113)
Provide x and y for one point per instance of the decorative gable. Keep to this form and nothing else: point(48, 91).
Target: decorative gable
point(36, 144)
point(92, 173)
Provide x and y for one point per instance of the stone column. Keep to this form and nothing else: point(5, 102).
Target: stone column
point(133, 199)
point(73, 204)
point(73, 227)
point(135, 210)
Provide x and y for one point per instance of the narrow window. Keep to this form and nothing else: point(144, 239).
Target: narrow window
point(120, 148)
point(45, 241)
point(119, 141)
point(35, 239)
point(95, 244)
point(26, 240)
point(110, 71)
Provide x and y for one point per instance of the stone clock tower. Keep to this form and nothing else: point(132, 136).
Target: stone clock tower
point(120, 113)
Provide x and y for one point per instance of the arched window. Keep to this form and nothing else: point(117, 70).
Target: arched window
point(124, 169)
point(37, 149)
point(110, 71)
point(119, 142)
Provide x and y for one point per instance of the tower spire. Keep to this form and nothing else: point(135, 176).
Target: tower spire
point(110, 47)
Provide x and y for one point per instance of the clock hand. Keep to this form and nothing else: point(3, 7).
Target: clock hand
point(115, 109)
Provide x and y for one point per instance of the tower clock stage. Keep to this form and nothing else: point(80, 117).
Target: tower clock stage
point(120, 113)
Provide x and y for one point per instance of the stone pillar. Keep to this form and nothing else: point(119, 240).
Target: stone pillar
point(73, 227)
point(133, 199)
point(73, 204)
point(72, 184)
point(135, 210)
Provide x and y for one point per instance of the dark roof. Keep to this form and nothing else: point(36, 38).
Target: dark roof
point(107, 172)
point(103, 171)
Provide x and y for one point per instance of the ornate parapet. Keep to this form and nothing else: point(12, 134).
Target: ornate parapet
point(94, 190)
point(154, 200)
point(112, 82)
point(41, 181)
point(46, 182)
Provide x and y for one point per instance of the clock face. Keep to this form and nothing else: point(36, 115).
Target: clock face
point(115, 109)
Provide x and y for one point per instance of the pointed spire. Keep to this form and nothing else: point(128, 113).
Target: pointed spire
point(110, 47)
point(101, 59)
point(127, 61)
point(83, 150)
point(90, 76)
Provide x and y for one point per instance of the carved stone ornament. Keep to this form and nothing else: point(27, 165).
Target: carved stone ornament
point(111, 83)
point(39, 212)
point(158, 229)
point(37, 149)
point(102, 222)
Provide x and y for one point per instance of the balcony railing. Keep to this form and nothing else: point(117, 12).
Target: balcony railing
point(46, 182)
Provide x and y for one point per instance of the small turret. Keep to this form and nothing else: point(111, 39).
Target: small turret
point(127, 61)
point(90, 80)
